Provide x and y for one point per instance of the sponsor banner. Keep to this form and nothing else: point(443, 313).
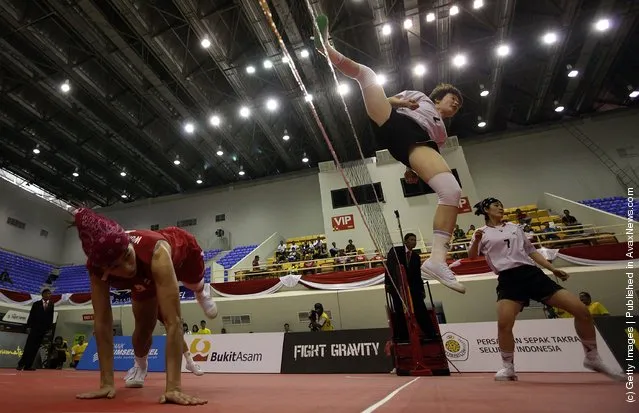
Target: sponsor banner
point(21, 317)
point(464, 205)
point(123, 297)
point(343, 222)
point(540, 346)
point(237, 353)
point(123, 357)
point(622, 336)
point(11, 348)
point(342, 351)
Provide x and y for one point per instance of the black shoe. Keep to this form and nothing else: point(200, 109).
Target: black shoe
point(19, 368)
point(29, 369)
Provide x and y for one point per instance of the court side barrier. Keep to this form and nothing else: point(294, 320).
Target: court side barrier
point(541, 346)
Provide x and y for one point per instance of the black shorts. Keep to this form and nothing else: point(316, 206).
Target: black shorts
point(399, 134)
point(524, 283)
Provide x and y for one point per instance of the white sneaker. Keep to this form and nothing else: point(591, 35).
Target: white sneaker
point(596, 364)
point(135, 377)
point(205, 301)
point(440, 272)
point(506, 373)
point(194, 368)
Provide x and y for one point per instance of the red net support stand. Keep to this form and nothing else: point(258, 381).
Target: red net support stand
point(414, 352)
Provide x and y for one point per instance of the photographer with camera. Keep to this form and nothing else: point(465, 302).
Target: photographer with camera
point(320, 321)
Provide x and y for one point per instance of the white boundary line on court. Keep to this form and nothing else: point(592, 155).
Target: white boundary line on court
point(390, 396)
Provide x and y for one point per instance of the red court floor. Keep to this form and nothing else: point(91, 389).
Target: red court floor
point(53, 391)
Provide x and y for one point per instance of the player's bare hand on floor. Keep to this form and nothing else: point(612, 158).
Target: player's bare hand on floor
point(107, 392)
point(177, 397)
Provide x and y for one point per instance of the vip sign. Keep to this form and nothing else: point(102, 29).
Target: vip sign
point(464, 205)
point(343, 222)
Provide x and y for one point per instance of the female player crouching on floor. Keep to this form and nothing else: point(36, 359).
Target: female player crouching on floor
point(150, 264)
point(510, 255)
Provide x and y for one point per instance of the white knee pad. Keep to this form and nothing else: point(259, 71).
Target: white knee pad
point(447, 188)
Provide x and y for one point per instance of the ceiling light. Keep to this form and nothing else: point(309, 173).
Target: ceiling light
point(250, 69)
point(305, 159)
point(220, 152)
point(36, 150)
point(268, 64)
point(459, 60)
point(215, 120)
point(381, 79)
point(408, 23)
point(454, 10)
point(176, 162)
point(503, 50)
point(245, 112)
point(343, 89)
point(549, 38)
point(123, 174)
point(199, 181)
point(634, 94)
point(189, 128)
point(123, 196)
point(241, 173)
point(284, 59)
point(430, 17)
point(206, 43)
point(484, 93)
point(286, 137)
point(386, 29)
point(573, 73)
point(419, 69)
point(308, 98)
point(76, 174)
point(304, 53)
point(478, 4)
point(481, 124)
point(271, 105)
point(559, 109)
point(65, 87)
point(602, 25)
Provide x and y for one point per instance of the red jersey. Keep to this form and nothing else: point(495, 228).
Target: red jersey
point(186, 255)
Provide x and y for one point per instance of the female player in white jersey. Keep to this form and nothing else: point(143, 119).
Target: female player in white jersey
point(411, 126)
point(510, 254)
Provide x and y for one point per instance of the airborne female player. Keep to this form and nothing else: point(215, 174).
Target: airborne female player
point(411, 126)
point(510, 254)
point(150, 264)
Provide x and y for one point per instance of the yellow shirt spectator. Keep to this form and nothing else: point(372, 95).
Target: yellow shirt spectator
point(595, 308)
point(204, 331)
point(325, 321)
point(78, 350)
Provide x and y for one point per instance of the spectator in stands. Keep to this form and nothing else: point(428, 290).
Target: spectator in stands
point(470, 232)
point(39, 322)
point(522, 218)
point(549, 233)
point(281, 251)
point(458, 233)
point(333, 251)
point(256, 263)
point(350, 248)
point(287, 328)
point(185, 328)
point(203, 329)
point(293, 246)
point(595, 308)
point(530, 234)
point(322, 321)
point(570, 223)
point(294, 255)
point(4, 277)
point(57, 353)
point(195, 329)
point(78, 350)
point(223, 331)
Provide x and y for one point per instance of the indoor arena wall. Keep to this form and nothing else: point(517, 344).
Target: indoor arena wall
point(37, 215)
point(515, 167)
point(253, 212)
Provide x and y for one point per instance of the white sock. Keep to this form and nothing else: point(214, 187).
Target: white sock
point(141, 362)
point(590, 349)
point(188, 358)
point(441, 245)
point(197, 288)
